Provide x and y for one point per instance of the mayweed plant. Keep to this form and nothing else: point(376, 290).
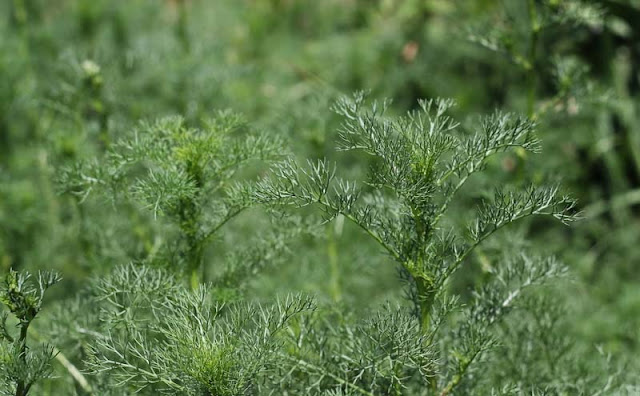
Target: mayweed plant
point(422, 163)
point(151, 333)
point(422, 160)
point(182, 174)
point(414, 247)
point(23, 364)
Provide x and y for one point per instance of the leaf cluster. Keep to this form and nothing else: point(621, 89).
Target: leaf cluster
point(421, 162)
point(162, 337)
point(22, 365)
point(186, 175)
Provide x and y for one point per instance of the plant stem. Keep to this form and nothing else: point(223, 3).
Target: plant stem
point(455, 381)
point(229, 216)
point(375, 236)
point(190, 220)
point(329, 374)
point(426, 297)
point(531, 59)
point(426, 292)
point(70, 367)
point(194, 261)
point(73, 371)
point(22, 388)
point(334, 265)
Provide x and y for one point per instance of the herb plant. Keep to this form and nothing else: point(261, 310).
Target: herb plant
point(423, 159)
point(422, 164)
point(162, 337)
point(177, 172)
point(22, 364)
point(413, 247)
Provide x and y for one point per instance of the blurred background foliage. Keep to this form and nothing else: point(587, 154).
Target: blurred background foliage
point(77, 75)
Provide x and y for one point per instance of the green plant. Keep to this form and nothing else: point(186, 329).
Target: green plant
point(516, 32)
point(23, 365)
point(422, 161)
point(180, 173)
point(162, 337)
point(426, 281)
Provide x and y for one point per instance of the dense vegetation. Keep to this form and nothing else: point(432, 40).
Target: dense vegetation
point(341, 197)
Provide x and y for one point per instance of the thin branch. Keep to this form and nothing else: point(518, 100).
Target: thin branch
point(329, 374)
point(215, 229)
point(70, 367)
point(482, 156)
point(369, 231)
point(455, 381)
point(481, 239)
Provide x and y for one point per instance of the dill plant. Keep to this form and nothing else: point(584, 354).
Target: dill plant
point(155, 330)
point(150, 333)
point(582, 100)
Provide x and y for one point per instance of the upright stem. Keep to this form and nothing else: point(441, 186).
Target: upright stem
point(194, 260)
point(425, 287)
point(190, 220)
point(22, 388)
point(334, 265)
point(426, 295)
point(531, 58)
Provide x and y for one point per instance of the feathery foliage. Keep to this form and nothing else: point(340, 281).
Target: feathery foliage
point(433, 239)
point(23, 365)
point(179, 173)
point(161, 337)
point(422, 163)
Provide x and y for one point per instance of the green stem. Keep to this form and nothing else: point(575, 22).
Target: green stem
point(373, 235)
point(369, 231)
point(196, 249)
point(190, 220)
point(194, 261)
point(426, 292)
point(70, 367)
point(329, 374)
point(483, 237)
point(531, 60)
point(426, 289)
point(426, 297)
point(22, 388)
point(480, 157)
point(455, 381)
point(194, 280)
point(215, 229)
point(334, 265)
